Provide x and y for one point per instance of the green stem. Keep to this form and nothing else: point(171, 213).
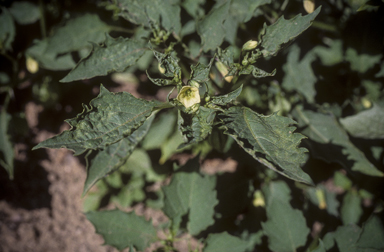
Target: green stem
point(324, 26)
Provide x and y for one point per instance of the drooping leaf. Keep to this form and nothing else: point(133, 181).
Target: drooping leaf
point(169, 64)
point(224, 242)
point(141, 12)
point(211, 28)
point(372, 234)
point(285, 227)
point(47, 60)
point(115, 55)
point(109, 118)
point(6, 148)
point(368, 124)
point(25, 12)
point(7, 29)
point(225, 99)
point(324, 129)
point(121, 230)
point(196, 128)
point(200, 72)
point(170, 146)
point(283, 31)
point(77, 33)
point(113, 156)
point(299, 76)
point(271, 136)
point(194, 8)
point(193, 193)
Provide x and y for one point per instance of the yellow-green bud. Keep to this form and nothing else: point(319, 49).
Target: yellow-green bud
point(250, 45)
point(223, 70)
point(32, 65)
point(189, 96)
point(161, 69)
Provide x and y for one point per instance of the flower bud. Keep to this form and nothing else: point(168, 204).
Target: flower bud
point(32, 65)
point(161, 69)
point(223, 70)
point(189, 96)
point(250, 45)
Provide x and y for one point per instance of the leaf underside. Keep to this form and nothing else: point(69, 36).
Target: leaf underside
point(268, 135)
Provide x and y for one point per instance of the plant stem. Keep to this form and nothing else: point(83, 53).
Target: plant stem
point(42, 20)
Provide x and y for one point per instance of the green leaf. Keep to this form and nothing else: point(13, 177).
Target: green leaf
point(191, 193)
point(361, 63)
point(115, 55)
point(351, 209)
point(200, 72)
point(299, 76)
point(7, 30)
point(368, 124)
point(211, 28)
point(142, 12)
point(197, 127)
point(270, 135)
point(324, 129)
point(193, 7)
point(113, 156)
point(225, 99)
point(330, 55)
point(6, 148)
point(346, 236)
point(25, 12)
point(224, 242)
point(109, 118)
point(121, 230)
point(320, 247)
point(283, 31)
point(164, 123)
point(286, 227)
point(77, 33)
point(372, 234)
point(48, 60)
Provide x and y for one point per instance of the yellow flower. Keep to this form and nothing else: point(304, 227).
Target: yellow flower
point(189, 96)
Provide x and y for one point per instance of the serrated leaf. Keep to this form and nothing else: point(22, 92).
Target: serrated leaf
point(113, 156)
point(211, 29)
point(115, 55)
point(171, 68)
point(225, 99)
point(47, 60)
point(25, 12)
point(351, 209)
point(7, 29)
point(141, 12)
point(372, 234)
point(193, 193)
point(368, 124)
point(109, 118)
point(197, 127)
point(299, 76)
point(283, 31)
point(121, 230)
point(224, 242)
point(6, 148)
point(200, 72)
point(324, 129)
point(77, 33)
point(270, 135)
point(285, 227)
